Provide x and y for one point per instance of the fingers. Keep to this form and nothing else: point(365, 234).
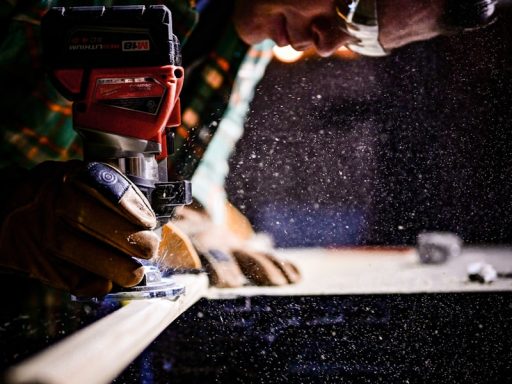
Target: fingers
point(78, 281)
point(114, 190)
point(260, 269)
point(176, 250)
point(223, 269)
point(83, 212)
point(289, 270)
point(219, 248)
point(95, 257)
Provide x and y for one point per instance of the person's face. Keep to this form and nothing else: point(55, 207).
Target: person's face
point(299, 23)
point(315, 23)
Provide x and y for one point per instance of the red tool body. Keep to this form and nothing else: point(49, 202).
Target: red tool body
point(140, 102)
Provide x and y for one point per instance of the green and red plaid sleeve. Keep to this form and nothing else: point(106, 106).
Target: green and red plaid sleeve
point(36, 121)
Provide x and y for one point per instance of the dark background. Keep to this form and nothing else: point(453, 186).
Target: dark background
point(421, 338)
point(374, 151)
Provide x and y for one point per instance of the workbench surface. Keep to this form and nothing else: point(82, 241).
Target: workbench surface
point(381, 270)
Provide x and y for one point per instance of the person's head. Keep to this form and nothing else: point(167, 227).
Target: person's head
point(322, 24)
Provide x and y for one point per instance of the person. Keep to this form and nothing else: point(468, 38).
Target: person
point(62, 224)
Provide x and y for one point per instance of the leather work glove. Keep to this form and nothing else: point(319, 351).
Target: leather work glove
point(193, 241)
point(75, 226)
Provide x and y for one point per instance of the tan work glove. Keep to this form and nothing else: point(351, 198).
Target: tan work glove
point(75, 226)
point(193, 241)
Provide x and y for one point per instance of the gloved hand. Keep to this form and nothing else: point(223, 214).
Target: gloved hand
point(75, 226)
point(226, 251)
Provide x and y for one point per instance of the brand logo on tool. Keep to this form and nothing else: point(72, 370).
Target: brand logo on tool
point(135, 45)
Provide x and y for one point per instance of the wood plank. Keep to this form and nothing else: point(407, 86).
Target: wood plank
point(392, 270)
point(100, 352)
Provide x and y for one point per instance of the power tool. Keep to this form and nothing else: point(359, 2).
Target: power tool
point(121, 68)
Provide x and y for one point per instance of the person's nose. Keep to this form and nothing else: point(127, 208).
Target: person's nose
point(329, 37)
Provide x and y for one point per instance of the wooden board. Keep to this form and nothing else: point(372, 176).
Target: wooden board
point(380, 271)
point(100, 352)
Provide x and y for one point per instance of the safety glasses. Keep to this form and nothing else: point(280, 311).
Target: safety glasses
point(359, 19)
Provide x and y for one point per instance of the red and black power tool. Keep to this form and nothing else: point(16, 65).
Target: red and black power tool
point(121, 68)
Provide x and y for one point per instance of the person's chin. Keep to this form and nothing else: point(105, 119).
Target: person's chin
point(248, 35)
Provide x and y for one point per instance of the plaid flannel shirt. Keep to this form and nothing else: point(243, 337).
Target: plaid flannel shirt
point(36, 120)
